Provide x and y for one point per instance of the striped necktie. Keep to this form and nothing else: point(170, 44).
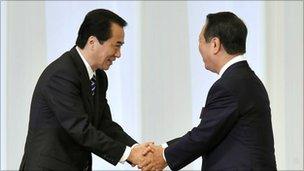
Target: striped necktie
point(93, 85)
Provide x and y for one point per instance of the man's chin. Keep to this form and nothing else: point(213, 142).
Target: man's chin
point(208, 68)
point(106, 67)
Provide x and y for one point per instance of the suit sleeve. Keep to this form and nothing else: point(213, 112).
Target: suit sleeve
point(175, 140)
point(218, 118)
point(110, 127)
point(63, 96)
point(114, 130)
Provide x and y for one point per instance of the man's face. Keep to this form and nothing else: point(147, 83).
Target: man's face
point(204, 49)
point(107, 52)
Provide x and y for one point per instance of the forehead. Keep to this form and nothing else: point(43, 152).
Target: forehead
point(202, 32)
point(117, 31)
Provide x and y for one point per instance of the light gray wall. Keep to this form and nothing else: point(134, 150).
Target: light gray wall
point(284, 79)
point(293, 65)
point(166, 96)
point(26, 58)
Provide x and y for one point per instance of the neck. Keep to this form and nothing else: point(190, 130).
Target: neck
point(88, 57)
point(223, 59)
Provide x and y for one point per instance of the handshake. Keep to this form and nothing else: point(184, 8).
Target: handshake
point(147, 156)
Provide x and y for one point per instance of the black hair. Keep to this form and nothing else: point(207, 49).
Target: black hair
point(230, 29)
point(98, 23)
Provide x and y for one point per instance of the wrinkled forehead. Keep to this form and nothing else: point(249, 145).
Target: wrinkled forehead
point(117, 33)
point(117, 29)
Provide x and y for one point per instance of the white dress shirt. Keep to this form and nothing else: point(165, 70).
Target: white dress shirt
point(91, 72)
point(231, 62)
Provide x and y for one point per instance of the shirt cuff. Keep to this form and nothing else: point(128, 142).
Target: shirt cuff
point(126, 154)
point(164, 146)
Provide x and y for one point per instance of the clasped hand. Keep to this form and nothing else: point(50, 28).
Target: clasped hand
point(147, 156)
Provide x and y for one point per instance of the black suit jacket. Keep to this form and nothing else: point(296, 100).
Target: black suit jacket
point(67, 123)
point(235, 132)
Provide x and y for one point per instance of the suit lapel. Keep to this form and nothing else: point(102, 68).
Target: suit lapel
point(97, 94)
point(85, 81)
point(100, 91)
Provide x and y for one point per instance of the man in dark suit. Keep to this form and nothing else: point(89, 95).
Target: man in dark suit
point(70, 117)
point(235, 132)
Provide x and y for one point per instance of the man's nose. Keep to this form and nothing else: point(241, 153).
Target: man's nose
point(118, 54)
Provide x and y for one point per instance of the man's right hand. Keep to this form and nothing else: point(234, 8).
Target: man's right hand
point(154, 160)
point(136, 156)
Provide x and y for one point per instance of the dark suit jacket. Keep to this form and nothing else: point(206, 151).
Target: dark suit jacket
point(67, 123)
point(235, 131)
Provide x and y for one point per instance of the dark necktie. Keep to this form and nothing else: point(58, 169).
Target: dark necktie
point(93, 85)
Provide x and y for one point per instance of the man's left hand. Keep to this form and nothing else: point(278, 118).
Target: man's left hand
point(154, 160)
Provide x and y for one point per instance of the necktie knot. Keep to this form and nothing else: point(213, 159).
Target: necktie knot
point(93, 85)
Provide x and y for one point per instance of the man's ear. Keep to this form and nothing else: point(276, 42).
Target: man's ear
point(90, 42)
point(216, 45)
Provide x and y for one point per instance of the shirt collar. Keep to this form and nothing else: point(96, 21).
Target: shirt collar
point(232, 61)
point(87, 65)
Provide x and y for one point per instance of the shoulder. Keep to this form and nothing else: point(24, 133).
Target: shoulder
point(243, 83)
point(237, 77)
point(219, 90)
point(63, 67)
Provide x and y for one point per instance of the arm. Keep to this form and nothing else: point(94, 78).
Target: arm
point(63, 97)
point(218, 118)
point(110, 127)
point(173, 141)
point(114, 130)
